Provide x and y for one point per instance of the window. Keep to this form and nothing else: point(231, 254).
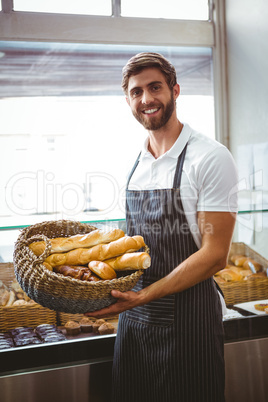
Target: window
point(86, 7)
point(67, 131)
point(173, 9)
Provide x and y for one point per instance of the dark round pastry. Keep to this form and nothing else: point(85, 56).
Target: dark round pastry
point(86, 324)
point(72, 328)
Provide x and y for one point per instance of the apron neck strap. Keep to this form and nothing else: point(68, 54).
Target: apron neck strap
point(178, 171)
point(133, 170)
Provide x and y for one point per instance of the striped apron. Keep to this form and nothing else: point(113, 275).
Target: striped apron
point(170, 349)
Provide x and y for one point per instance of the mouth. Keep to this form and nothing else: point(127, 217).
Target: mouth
point(151, 111)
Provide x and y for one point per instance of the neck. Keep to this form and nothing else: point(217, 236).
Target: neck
point(160, 141)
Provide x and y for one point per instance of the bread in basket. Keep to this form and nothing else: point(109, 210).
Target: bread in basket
point(53, 290)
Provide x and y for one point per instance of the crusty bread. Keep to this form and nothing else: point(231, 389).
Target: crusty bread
point(250, 262)
point(229, 275)
point(103, 270)
point(238, 260)
point(219, 280)
point(260, 275)
point(101, 252)
point(129, 261)
point(64, 244)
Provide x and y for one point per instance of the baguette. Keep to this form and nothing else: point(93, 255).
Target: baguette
point(130, 261)
point(101, 252)
point(103, 270)
point(64, 244)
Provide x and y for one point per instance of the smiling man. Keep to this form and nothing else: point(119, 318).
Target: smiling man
point(181, 197)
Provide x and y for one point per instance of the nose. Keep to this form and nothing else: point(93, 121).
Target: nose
point(147, 97)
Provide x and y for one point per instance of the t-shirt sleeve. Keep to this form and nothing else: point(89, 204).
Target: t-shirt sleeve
point(218, 182)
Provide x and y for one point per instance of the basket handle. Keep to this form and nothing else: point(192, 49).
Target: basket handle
point(41, 258)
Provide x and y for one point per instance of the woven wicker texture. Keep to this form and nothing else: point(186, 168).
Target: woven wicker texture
point(21, 316)
point(55, 291)
point(245, 291)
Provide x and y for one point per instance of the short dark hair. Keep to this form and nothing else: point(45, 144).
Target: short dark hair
point(148, 60)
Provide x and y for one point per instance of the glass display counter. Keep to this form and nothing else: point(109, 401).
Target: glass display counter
point(80, 368)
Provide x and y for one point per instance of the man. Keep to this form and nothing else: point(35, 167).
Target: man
point(169, 344)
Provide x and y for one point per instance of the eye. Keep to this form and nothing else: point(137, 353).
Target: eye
point(135, 93)
point(156, 87)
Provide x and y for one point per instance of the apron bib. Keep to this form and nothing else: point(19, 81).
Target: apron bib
point(170, 349)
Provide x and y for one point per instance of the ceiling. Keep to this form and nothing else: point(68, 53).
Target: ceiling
point(58, 69)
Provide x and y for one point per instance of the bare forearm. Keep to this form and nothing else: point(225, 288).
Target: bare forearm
point(198, 267)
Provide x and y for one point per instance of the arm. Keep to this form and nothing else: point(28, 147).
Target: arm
point(216, 229)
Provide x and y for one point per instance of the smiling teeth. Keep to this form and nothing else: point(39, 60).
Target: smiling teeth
point(150, 111)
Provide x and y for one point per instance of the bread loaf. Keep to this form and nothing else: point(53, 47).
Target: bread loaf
point(260, 275)
point(219, 280)
point(249, 262)
point(101, 252)
point(47, 266)
point(64, 244)
point(238, 260)
point(229, 275)
point(129, 261)
point(103, 270)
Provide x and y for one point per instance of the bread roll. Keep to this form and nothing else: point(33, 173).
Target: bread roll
point(4, 297)
point(246, 273)
point(20, 303)
point(64, 244)
point(129, 261)
point(219, 280)
point(255, 264)
point(103, 270)
point(227, 266)
point(238, 260)
point(260, 275)
point(101, 252)
point(229, 275)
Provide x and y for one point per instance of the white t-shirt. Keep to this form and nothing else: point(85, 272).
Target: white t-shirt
point(209, 177)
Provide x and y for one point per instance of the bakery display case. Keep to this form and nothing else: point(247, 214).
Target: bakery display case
point(76, 365)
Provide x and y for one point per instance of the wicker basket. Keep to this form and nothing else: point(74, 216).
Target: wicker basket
point(25, 316)
point(55, 291)
point(244, 291)
point(18, 316)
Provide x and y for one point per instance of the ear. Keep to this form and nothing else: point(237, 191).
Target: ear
point(127, 99)
point(176, 91)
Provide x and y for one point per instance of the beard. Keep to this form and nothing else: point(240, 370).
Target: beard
point(155, 123)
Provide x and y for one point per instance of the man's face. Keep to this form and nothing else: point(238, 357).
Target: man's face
point(151, 100)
